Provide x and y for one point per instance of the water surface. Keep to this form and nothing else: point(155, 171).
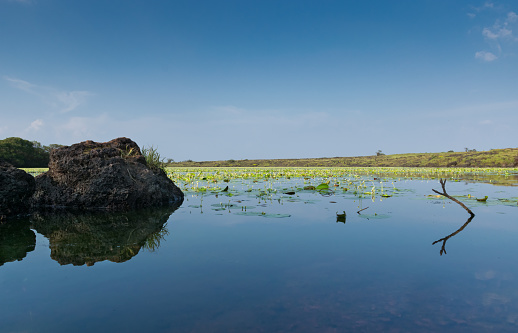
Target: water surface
point(239, 261)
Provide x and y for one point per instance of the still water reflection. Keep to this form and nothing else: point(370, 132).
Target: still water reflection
point(310, 263)
point(81, 239)
point(16, 240)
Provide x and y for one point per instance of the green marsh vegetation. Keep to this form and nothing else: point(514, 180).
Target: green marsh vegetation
point(495, 158)
point(254, 191)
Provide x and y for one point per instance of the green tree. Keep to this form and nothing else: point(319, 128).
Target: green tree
point(23, 153)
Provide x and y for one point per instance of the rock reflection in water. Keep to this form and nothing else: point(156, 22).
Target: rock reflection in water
point(88, 238)
point(16, 240)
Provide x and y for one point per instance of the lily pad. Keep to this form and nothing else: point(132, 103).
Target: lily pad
point(322, 186)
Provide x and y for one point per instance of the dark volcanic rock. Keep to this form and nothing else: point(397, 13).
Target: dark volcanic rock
point(16, 188)
point(107, 176)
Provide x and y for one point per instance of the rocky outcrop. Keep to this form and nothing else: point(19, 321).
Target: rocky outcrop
point(16, 188)
point(110, 176)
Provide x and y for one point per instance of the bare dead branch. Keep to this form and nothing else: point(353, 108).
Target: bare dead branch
point(443, 183)
point(361, 210)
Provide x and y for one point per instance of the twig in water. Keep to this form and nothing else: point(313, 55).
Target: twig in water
point(361, 210)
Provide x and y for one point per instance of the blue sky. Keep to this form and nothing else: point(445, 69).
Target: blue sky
point(217, 80)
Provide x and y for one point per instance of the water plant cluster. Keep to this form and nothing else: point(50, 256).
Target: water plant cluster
point(190, 178)
point(235, 189)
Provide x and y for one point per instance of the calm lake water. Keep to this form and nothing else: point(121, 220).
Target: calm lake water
point(254, 259)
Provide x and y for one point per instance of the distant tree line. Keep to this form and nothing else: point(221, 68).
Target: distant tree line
point(24, 153)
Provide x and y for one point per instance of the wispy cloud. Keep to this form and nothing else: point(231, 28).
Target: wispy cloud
point(61, 100)
point(485, 56)
point(501, 32)
point(20, 84)
point(497, 32)
point(71, 100)
point(84, 128)
point(485, 6)
point(35, 125)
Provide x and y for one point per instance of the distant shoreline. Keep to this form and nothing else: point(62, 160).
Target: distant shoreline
point(495, 158)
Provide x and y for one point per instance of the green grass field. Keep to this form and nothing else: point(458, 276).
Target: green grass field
point(495, 158)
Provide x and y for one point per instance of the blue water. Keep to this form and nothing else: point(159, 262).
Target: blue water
point(219, 271)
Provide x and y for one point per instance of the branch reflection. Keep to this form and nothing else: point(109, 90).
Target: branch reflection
point(443, 240)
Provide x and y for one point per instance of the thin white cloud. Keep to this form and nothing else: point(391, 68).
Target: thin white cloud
point(498, 35)
point(71, 100)
point(485, 56)
point(36, 125)
point(20, 84)
point(83, 128)
point(488, 4)
point(485, 6)
point(61, 100)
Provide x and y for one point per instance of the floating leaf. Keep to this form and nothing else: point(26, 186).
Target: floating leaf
point(276, 216)
point(223, 205)
point(484, 199)
point(322, 187)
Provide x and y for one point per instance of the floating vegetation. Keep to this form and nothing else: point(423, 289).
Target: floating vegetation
point(257, 191)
